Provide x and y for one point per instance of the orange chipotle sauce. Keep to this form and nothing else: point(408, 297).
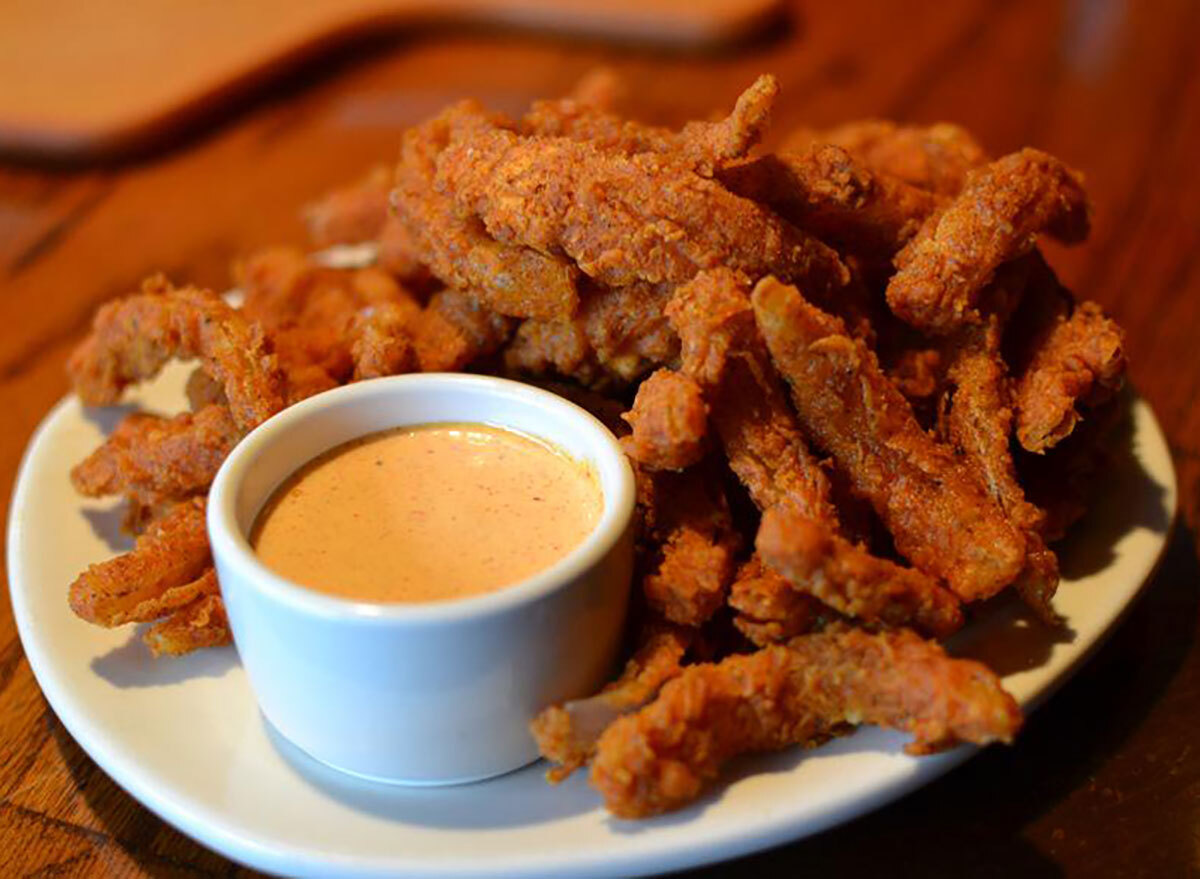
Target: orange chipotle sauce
point(427, 513)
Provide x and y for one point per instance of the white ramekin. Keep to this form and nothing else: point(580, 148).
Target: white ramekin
point(434, 693)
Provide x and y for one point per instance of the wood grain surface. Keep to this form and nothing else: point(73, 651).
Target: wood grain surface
point(1105, 779)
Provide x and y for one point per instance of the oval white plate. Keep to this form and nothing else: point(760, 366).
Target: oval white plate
point(185, 738)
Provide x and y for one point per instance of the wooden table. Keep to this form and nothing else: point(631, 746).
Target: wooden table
point(1105, 780)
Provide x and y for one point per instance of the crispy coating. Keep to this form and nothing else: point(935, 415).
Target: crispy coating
point(622, 218)
point(627, 328)
point(724, 353)
point(664, 755)
point(400, 254)
point(979, 424)
point(559, 347)
point(996, 218)
point(936, 158)
point(939, 516)
point(701, 146)
point(690, 541)
point(133, 338)
point(159, 575)
point(769, 610)
point(159, 459)
point(203, 390)
point(454, 330)
point(511, 280)
point(823, 190)
point(352, 213)
point(1078, 362)
point(201, 623)
point(669, 420)
point(566, 734)
point(814, 559)
point(382, 340)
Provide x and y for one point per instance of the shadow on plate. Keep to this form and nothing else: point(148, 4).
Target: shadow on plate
point(108, 417)
point(106, 524)
point(489, 807)
point(133, 666)
point(1126, 499)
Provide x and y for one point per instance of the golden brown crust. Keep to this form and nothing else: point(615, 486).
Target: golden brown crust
point(567, 734)
point(201, 623)
point(1079, 362)
point(814, 559)
point(158, 575)
point(159, 459)
point(669, 421)
point(996, 218)
point(621, 218)
point(665, 754)
point(937, 513)
point(133, 338)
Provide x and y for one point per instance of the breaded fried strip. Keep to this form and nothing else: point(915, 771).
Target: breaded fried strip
point(543, 347)
point(664, 755)
point(203, 623)
point(383, 342)
point(514, 281)
point(687, 523)
point(1079, 361)
point(702, 146)
point(454, 330)
point(622, 218)
point(769, 610)
point(996, 218)
point(850, 580)
point(826, 192)
point(351, 213)
point(159, 458)
point(979, 424)
point(940, 517)
point(141, 584)
point(133, 338)
point(669, 419)
point(724, 353)
point(627, 328)
point(566, 734)
point(936, 158)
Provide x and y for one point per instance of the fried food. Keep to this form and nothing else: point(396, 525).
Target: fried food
point(825, 192)
point(159, 459)
point(382, 340)
point(511, 280)
point(133, 338)
point(724, 353)
point(769, 609)
point(996, 218)
point(791, 449)
point(1079, 362)
point(665, 754)
point(704, 147)
point(160, 574)
point(454, 330)
point(669, 420)
point(938, 514)
point(936, 158)
point(621, 218)
point(566, 734)
point(850, 580)
point(689, 541)
point(200, 623)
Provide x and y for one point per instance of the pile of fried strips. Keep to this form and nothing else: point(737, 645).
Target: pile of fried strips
point(855, 396)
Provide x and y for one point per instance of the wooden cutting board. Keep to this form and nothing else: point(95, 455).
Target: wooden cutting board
point(90, 78)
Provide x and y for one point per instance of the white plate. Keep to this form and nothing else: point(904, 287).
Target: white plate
point(185, 738)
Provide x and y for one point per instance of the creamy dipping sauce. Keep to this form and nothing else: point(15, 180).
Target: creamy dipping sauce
point(427, 513)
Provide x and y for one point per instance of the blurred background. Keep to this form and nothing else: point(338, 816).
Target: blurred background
point(132, 141)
